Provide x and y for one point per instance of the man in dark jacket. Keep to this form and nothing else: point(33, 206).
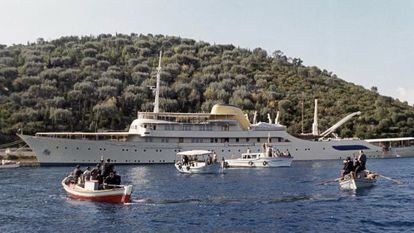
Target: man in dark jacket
point(360, 163)
point(110, 181)
point(348, 167)
point(96, 171)
point(117, 178)
point(107, 168)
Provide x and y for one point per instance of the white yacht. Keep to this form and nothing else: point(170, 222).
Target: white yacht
point(156, 137)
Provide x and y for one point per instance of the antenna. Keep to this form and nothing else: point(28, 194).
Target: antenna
point(269, 118)
point(157, 88)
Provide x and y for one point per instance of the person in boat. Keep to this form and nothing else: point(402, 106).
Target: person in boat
point(287, 153)
point(214, 157)
point(96, 171)
point(77, 172)
point(208, 160)
point(360, 163)
point(107, 168)
point(278, 153)
point(117, 178)
point(86, 176)
point(110, 181)
point(185, 160)
point(348, 167)
point(269, 151)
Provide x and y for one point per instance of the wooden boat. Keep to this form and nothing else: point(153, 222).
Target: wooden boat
point(9, 164)
point(198, 162)
point(90, 192)
point(364, 180)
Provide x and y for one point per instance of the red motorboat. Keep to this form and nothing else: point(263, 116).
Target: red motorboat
point(90, 192)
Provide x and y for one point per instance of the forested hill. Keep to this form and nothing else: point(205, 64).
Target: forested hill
point(95, 83)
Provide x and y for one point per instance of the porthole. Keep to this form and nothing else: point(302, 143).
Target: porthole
point(77, 148)
point(66, 149)
point(123, 150)
point(104, 148)
point(57, 147)
point(145, 150)
point(222, 150)
point(156, 150)
point(135, 150)
point(127, 150)
point(160, 150)
point(100, 148)
point(89, 148)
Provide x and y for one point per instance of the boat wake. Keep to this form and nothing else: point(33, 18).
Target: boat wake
point(232, 201)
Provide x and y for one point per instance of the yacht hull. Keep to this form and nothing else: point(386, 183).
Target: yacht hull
point(57, 151)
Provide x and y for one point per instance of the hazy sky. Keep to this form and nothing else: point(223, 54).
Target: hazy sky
point(370, 43)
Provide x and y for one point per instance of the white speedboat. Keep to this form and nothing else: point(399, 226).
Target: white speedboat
point(198, 162)
point(365, 180)
point(268, 159)
point(9, 164)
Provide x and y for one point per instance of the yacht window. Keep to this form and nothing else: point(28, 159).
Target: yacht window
point(145, 126)
point(247, 139)
point(180, 140)
point(258, 139)
point(216, 140)
point(226, 140)
point(211, 140)
point(154, 127)
point(237, 140)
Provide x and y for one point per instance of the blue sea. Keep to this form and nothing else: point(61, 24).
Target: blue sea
point(241, 200)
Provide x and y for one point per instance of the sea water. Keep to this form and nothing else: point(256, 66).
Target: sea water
point(241, 200)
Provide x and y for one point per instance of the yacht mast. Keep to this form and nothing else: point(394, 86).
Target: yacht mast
point(157, 89)
point(315, 130)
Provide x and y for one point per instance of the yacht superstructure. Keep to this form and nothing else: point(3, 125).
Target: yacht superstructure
point(156, 137)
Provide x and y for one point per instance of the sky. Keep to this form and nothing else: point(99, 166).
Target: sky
point(369, 43)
